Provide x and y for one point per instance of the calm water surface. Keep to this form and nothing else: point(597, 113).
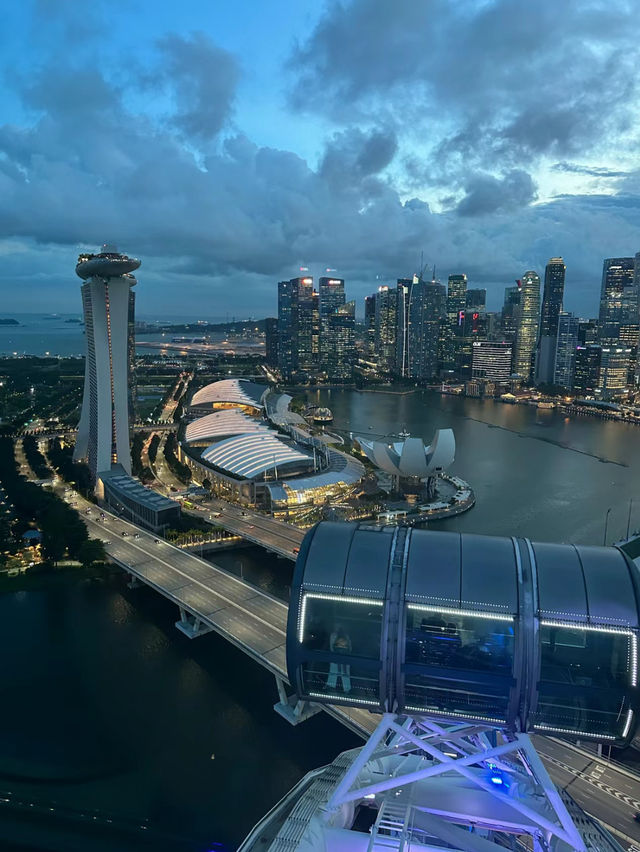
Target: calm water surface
point(107, 706)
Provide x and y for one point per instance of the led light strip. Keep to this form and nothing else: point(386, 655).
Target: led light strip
point(328, 695)
point(627, 724)
point(426, 711)
point(540, 727)
point(594, 628)
point(306, 596)
point(496, 616)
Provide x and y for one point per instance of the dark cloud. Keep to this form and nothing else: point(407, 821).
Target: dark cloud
point(591, 171)
point(150, 159)
point(479, 83)
point(487, 194)
point(203, 79)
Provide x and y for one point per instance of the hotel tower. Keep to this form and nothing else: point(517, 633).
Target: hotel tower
point(108, 302)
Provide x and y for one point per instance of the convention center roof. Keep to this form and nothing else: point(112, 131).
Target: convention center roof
point(253, 454)
point(238, 391)
point(228, 421)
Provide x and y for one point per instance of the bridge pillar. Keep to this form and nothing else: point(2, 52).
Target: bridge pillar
point(134, 582)
point(191, 625)
point(292, 708)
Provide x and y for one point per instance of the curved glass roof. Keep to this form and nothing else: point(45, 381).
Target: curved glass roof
point(253, 454)
point(240, 391)
point(228, 421)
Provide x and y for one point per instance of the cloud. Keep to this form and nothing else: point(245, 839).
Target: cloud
point(591, 171)
point(480, 84)
point(202, 78)
point(487, 194)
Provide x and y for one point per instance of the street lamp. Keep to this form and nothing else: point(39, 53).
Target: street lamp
point(606, 523)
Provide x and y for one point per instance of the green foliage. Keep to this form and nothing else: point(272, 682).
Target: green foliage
point(61, 526)
point(91, 551)
point(153, 448)
point(77, 473)
point(178, 468)
point(36, 460)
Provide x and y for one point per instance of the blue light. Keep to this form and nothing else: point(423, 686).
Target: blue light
point(498, 780)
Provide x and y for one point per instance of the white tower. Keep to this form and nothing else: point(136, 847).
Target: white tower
point(108, 303)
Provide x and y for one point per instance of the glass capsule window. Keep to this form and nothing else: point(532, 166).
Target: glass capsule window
point(458, 662)
point(339, 640)
point(587, 673)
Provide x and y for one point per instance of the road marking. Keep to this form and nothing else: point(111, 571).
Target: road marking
point(578, 773)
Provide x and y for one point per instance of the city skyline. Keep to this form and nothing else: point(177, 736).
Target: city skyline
point(294, 150)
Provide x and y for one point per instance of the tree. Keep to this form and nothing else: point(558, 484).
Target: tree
point(91, 551)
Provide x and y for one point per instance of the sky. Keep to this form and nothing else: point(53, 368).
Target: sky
point(229, 144)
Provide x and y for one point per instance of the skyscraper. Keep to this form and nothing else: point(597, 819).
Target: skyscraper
point(295, 326)
point(403, 303)
point(271, 341)
point(586, 375)
point(456, 306)
point(426, 311)
point(339, 342)
point(565, 354)
point(491, 360)
point(477, 300)
point(331, 297)
point(527, 320)
point(386, 328)
point(619, 304)
point(551, 306)
point(370, 327)
point(509, 312)
point(109, 308)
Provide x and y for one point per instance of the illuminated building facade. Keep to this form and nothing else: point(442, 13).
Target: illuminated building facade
point(586, 376)
point(338, 342)
point(614, 369)
point(508, 319)
point(295, 326)
point(427, 309)
point(491, 361)
point(370, 326)
point(565, 355)
point(109, 308)
point(456, 306)
point(386, 328)
point(527, 321)
point(553, 295)
point(619, 304)
point(477, 300)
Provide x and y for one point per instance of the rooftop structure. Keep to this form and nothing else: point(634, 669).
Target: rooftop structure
point(128, 497)
point(230, 392)
point(411, 457)
point(220, 424)
point(252, 455)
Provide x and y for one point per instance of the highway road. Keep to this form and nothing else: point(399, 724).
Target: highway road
point(256, 622)
point(276, 536)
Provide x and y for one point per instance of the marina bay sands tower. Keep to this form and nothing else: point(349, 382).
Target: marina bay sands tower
point(108, 302)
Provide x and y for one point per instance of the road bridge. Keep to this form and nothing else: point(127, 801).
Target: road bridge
point(210, 599)
point(276, 536)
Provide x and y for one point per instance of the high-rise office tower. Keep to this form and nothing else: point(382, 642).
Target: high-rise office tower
point(108, 303)
point(509, 312)
point(426, 312)
point(271, 341)
point(552, 297)
point(331, 297)
point(618, 298)
point(403, 303)
point(295, 326)
point(565, 355)
point(370, 327)
point(386, 329)
point(586, 375)
point(477, 300)
point(587, 332)
point(456, 306)
point(491, 360)
point(527, 321)
point(614, 372)
point(339, 337)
